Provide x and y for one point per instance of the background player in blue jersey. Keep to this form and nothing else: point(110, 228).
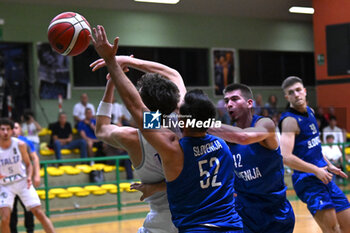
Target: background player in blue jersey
point(198, 168)
point(301, 150)
point(259, 183)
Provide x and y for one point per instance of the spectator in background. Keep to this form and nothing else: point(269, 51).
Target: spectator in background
point(86, 130)
point(117, 113)
point(222, 114)
point(61, 137)
point(31, 128)
point(320, 115)
point(334, 130)
point(79, 108)
point(258, 104)
point(271, 105)
point(332, 152)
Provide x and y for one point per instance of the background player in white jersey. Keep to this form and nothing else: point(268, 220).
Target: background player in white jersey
point(16, 178)
point(143, 156)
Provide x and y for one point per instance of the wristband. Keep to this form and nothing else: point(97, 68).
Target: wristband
point(104, 109)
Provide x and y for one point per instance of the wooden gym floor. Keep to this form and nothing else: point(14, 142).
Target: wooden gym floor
point(130, 219)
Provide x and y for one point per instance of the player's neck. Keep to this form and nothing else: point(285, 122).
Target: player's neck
point(244, 122)
point(301, 108)
point(189, 133)
point(5, 143)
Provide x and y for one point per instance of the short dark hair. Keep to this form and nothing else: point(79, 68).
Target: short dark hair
point(198, 105)
point(329, 136)
point(7, 121)
point(245, 90)
point(158, 93)
point(291, 80)
point(332, 118)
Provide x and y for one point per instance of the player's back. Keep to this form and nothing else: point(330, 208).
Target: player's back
point(150, 171)
point(201, 197)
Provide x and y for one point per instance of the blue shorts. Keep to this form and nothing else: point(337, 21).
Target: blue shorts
point(267, 219)
point(203, 229)
point(319, 196)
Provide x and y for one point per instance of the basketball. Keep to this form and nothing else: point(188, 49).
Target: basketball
point(68, 33)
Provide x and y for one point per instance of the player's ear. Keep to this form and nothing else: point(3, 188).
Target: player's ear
point(250, 103)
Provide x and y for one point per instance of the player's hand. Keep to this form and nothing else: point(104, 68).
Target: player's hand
point(323, 174)
point(337, 171)
point(36, 180)
point(146, 189)
point(29, 182)
point(102, 46)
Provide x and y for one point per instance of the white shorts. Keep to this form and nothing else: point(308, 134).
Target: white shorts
point(29, 197)
point(158, 222)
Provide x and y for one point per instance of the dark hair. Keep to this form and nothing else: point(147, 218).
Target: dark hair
point(7, 121)
point(329, 136)
point(198, 105)
point(87, 109)
point(245, 90)
point(158, 93)
point(27, 113)
point(332, 118)
point(291, 80)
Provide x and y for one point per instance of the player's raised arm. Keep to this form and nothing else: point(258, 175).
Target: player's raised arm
point(289, 129)
point(147, 66)
point(164, 141)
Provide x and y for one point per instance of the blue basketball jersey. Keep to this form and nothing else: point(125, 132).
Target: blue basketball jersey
point(259, 173)
point(202, 195)
point(307, 145)
point(261, 193)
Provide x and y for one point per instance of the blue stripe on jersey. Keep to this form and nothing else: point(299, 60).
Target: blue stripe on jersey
point(259, 173)
point(307, 145)
point(203, 192)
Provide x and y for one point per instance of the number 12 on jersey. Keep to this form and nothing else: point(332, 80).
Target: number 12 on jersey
point(203, 172)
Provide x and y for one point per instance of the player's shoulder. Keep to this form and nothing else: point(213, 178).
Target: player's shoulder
point(265, 122)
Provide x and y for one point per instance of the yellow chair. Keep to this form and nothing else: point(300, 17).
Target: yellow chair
point(99, 192)
point(82, 193)
point(92, 188)
point(40, 192)
point(84, 168)
point(98, 166)
point(121, 169)
point(347, 150)
point(57, 191)
point(47, 152)
point(42, 172)
point(44, 131)
point(124, 186)
point(76, 151)
point(108, 186)
point(65, 195)
point(74, 131)
point(109, 168)
point(113, 191)
point(75, 189)
point(65, 167)
point(43, 197)
point(66, 152)
point(73, 171)
point(53, 171)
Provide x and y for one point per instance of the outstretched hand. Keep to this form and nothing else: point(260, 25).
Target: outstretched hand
point(102, 46)
point(323, 174)
point(337, 171)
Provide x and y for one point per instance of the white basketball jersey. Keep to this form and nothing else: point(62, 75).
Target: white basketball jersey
point(11, 164)
point(158, 219)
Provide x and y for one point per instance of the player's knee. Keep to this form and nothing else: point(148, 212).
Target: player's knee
point(334, 228)
point(37, 212)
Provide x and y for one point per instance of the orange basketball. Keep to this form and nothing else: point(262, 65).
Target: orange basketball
point(68, 33)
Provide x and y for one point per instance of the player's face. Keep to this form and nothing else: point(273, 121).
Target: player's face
point(296, 95)
point(236, 105)
point(16, 130)
point(5, 132)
